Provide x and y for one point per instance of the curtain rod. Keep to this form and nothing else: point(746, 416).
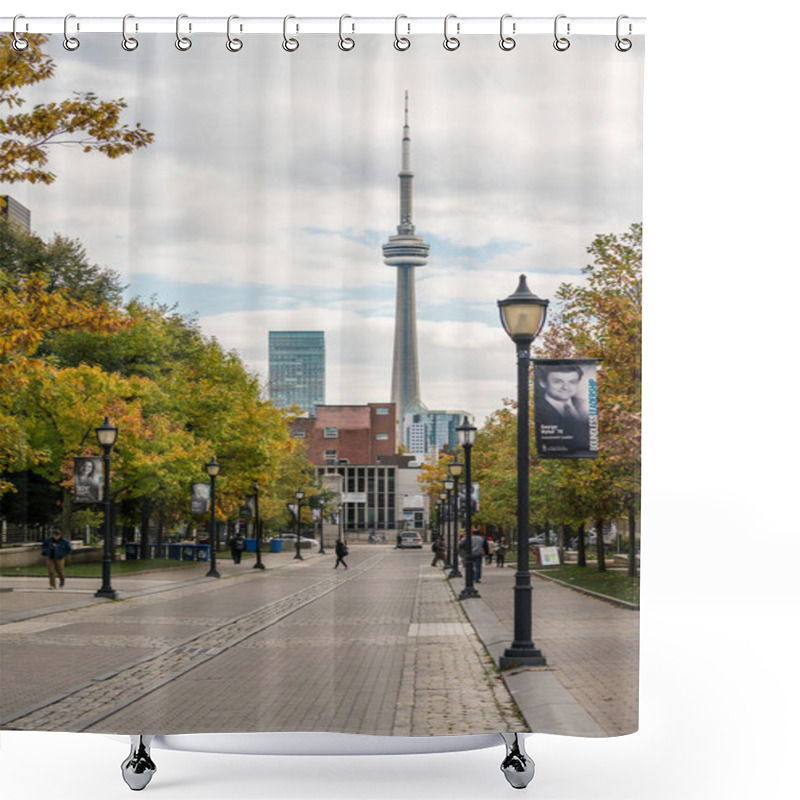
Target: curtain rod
point(347, 25)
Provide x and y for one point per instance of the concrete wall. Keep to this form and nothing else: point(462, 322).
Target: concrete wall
point(27, 555)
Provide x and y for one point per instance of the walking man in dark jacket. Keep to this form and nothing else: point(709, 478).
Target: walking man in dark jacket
point(55, 549)
point(341, 552)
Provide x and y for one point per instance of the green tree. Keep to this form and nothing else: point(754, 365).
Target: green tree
point(83, 120)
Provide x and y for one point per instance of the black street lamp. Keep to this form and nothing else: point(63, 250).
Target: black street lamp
point(443, 527)
point(455, 469)
point(299, 494)
point(107, 437)
point(451, 551)
point(321, 550)
point(466, 438)
point(257, 522)
point(523, 315)
point(212, 468)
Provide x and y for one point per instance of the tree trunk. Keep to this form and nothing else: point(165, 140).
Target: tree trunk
point(160, 530)
point(601, 545)
point(582, 545)
point(632, 570)
point(146, 507)
point(66, 512)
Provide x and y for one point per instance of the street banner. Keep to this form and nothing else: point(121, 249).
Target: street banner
point(88, 479)
point(248, 510)
point(292, 508)
point(565, 407)
point(462, 497)
point(201, 498)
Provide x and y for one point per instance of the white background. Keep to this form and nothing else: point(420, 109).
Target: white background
point(719, 700)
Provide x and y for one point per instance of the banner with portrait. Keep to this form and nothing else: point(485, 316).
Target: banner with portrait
point(248, 509)
point(88, 479)
point(565, 407)
point(201, 498)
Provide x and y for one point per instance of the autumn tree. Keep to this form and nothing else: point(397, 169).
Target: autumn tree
point(83, 120)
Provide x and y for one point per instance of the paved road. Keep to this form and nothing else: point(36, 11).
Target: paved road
point(382, 648)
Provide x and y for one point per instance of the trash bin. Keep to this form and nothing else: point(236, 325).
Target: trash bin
point(275, 545)
point(189, 552)
point(203, 552)
point(174, 552)
point(250, 545)
point(131, 551)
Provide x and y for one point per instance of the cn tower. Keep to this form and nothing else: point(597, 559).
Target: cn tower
point(406, 252)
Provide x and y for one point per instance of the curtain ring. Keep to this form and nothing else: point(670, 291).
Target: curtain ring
point(19, 43)
point(401, 43)
point(70, 42)
point(234, 45)
point(183, 43)
point(623, 45)
point(507, 42)
point(128, 42)
point(451, 42)
point(289, 45)
point(346, 43)
point(561, 43)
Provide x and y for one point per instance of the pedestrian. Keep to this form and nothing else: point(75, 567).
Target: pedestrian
point(438, 551)
point(372, 537)
point(500, 551)
point(341, 552)
point(237, 547)
point(55, 549)
point(478, 545)
point(489, 550)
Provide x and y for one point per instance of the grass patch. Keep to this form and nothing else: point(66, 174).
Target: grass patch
point(614, 583)
point(94, 569)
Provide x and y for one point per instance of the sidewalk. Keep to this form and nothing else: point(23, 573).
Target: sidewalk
point(589, 686)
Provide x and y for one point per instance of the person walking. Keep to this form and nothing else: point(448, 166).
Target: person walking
point(501, 548)
point(237, 548)
point(489, 550)
point(341, 552)
point(478, 551)
point(438, 552)
point(55, 549)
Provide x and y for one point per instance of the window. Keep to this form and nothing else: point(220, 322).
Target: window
point(331, 456)
point(382, 437)
point(382, 411)
point(331, 433)
point(298, 434)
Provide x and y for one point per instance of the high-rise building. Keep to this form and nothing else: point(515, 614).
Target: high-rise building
point(297, 369)
point(16, 213)
point(406, 251)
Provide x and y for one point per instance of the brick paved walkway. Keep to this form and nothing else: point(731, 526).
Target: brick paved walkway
point(379, 649)
point(591, 646)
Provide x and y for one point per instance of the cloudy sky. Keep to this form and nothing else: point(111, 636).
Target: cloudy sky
point(272, 183)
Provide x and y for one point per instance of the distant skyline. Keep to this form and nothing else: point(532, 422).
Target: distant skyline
point(273, 218)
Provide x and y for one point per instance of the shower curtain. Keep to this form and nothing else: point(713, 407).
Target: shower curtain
point(270, 275)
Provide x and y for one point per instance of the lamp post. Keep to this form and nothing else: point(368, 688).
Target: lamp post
point(466, 438)
point(259, 564)
point(299, 494)
point(451, 554)
point(443, 527)
point(523, 315)
point(455, 469)
point(212, 468)
point(107, 437)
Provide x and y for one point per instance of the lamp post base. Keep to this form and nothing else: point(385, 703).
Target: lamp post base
point(467, 592)
point(110, 594)
point(212, 573)
point(258, 565)
point(522, 657)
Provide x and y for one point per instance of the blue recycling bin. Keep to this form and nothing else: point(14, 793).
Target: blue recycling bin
point(250, 545)
point(275, 545)
point(131, 551)
point(203, 552)
point(188, 552)
point(174, 552)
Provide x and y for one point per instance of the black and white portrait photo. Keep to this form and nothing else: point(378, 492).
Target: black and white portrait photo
point(201, 498)
point(565, 407)
point(88, 479)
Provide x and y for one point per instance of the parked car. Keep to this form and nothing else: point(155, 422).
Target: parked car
point(410, 540)
point(290, 540)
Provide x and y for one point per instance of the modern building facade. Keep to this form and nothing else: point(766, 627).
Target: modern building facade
point(406, 251)
point(16, 213)
point(297, 369)
point(428, 431)
point(348, 434)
